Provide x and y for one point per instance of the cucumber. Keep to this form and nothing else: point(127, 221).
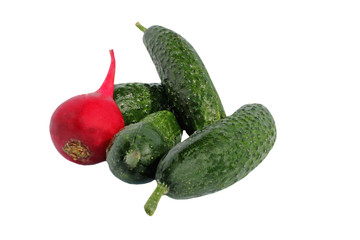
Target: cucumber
point(186, 81)
point(215, 157)
point(135, 151)
point(137, 100)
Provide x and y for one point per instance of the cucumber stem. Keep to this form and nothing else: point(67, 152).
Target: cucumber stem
point(141, 27)
point(152, 202)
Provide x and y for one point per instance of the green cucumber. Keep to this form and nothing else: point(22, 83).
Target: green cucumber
point(186, 81)
point(215, 157)
point(137, 100)
point(135, 151)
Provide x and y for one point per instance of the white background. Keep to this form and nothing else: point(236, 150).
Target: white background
point(298, 58)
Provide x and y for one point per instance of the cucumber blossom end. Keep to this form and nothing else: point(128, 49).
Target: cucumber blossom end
point(132, 158)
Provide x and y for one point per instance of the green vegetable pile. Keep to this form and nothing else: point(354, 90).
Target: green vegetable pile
point(220, 149)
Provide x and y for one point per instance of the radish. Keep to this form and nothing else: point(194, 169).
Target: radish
point(82, 127)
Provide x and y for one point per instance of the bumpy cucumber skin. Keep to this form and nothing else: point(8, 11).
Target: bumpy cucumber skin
point(165, 123)
point(150, 139)
point(219, 155)
point(137, 100)
point(186, 81)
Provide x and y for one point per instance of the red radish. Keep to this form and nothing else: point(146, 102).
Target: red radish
point(82, 127)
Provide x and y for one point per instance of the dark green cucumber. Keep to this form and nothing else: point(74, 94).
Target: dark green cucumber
point(215, 157)
point(137, 100)
point(185, 79)
point(135, 151)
